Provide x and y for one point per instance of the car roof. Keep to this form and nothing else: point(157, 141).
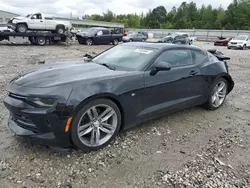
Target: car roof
point(98, 28)
point(161, 46)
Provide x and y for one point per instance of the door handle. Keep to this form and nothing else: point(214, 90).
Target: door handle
point(41, 21)
point(193, 72)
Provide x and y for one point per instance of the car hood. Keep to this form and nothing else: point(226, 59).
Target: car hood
point(18, 18)
point(84, 34)
point(64, 73)
point(238, 41)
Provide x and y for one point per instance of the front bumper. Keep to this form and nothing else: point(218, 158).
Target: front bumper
point(236, 46)
point(42, 125)
point(11, 25)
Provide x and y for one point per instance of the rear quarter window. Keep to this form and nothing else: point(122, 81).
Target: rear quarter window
point(199, 56)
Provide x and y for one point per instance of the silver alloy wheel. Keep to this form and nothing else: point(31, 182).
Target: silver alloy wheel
point(97, 125)
point(219, 94)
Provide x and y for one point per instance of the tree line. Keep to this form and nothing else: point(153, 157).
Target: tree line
point(186, 16)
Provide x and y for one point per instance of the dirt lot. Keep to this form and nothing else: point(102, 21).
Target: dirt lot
point(191, 148)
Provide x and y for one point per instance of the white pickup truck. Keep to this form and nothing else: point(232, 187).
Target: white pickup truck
point(39, 22)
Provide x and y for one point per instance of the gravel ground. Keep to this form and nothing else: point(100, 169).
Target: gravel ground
point(189, 149)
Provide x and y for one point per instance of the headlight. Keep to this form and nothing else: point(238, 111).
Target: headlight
point(42, 102)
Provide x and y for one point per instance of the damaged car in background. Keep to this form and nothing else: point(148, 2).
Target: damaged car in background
point(38, 22)
point(86, 104)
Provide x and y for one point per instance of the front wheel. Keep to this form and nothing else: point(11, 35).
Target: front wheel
point(21, 28)
point(89, 42)
point(244, 47)
point(96, 125)
point(217, 95)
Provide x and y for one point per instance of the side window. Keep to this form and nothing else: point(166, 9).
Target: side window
point(198, 56)
point(176, 58)
point(36, 16)
point(99, 33)
point(105, 32)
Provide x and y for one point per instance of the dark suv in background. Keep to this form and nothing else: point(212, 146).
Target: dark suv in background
point(99, 35)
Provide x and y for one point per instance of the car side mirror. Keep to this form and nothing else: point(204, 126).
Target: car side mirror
point(160, 66)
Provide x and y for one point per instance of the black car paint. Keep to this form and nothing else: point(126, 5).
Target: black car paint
point(139, 95)
point(102, 39)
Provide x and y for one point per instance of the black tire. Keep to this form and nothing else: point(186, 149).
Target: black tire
point(21, 28)
point(115, 42)
point(73, 131)
point(41, 41)
point(143, 40)
point(228, 48)
point(244, 47)
point(130, 40)
point(89, 42)
point(208, 105)
point(60, 29)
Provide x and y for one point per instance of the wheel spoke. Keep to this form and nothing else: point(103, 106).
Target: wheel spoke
point(108, 126)
point(82, 127)
point(95, 112)
point(213, 98)
point(110, 114)
point(221, 95)
point(90, 114)
point(97, 136)
point(92, 137)
point(104, 113)
point(105, 130)
point(217, 101)
point(221, 87)
point(88, 130)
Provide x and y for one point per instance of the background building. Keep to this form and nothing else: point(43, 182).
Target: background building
point(6, 16)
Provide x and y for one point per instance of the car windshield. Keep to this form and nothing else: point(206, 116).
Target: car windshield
point(126, 57)
point(92, 31)
point(240, 38)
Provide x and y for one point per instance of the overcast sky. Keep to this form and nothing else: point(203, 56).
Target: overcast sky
point(81, 7)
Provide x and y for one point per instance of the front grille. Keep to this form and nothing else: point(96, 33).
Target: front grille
point(233, 42)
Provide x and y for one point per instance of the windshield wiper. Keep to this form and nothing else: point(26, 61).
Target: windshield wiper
point(108, 66)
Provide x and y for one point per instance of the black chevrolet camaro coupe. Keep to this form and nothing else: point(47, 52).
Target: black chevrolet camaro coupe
point(86, 104)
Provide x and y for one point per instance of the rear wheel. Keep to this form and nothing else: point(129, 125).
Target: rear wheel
point(228, 48)
point(21, 28)
point(217, 94)
point(115, 42)
point(60, 29)
point(41, 41)
point(130, 40)
point(96, 125)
